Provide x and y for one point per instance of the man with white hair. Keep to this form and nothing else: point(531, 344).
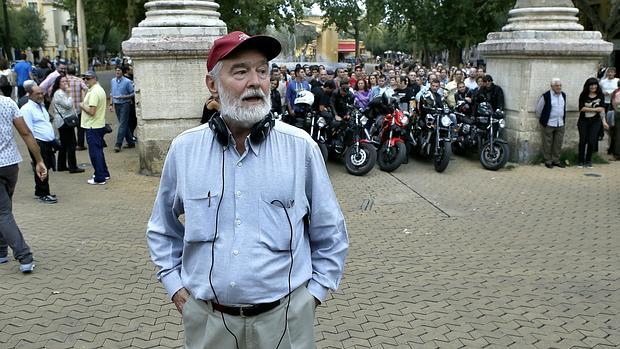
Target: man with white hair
point(551, 110)
point(27, 86)
point(263, 238)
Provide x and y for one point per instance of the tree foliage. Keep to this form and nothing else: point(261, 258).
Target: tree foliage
point(609, 26)
point(108, 22)
point(253, 16)
point(26, 28)
point(449, 24)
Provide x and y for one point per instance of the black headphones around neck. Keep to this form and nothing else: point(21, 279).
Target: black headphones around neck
point(258, 132)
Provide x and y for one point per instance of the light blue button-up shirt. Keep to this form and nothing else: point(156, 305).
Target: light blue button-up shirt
point(251, 251)
point(38, 121)
point(121, 87)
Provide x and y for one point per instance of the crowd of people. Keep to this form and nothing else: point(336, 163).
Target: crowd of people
point(66, 113)
point(56, 113)
point(333, 90)
point(407, 82)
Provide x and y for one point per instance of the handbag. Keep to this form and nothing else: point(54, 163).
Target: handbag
point(71, 120)
point(107, 128)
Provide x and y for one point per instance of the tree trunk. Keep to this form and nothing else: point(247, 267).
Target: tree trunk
point(7, 32)
point(357, 41)
point(131, 16)
point(455, 55)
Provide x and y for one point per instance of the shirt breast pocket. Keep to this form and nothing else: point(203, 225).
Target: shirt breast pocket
point(274, 228)
point(200, 216)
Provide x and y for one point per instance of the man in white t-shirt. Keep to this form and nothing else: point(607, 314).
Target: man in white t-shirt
point(609, 84)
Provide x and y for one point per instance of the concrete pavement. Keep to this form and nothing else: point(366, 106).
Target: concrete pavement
point(521, 258)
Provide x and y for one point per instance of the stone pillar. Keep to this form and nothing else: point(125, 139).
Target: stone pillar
point(542, 40)
point(169, 50)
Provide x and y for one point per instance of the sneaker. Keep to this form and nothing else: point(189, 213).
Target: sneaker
point(548, 165)
point(76, 170)
point(26, 268)
point(48, 199)
point(92, 181)
point(117, 149)
point(4, 260)
point(589, 165)
point(580, 165)
point(78, 148)
point(106, 178)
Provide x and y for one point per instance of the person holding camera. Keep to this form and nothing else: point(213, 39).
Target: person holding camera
point(591, 115)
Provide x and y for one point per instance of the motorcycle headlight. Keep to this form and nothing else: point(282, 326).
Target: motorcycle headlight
point(502, 123)
point(445, 121)
point(363, 120)
point(321, 122)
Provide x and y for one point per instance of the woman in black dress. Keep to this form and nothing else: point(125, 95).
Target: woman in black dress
point(591, 117)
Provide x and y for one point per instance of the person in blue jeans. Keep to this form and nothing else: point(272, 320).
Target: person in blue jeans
point(121, 95)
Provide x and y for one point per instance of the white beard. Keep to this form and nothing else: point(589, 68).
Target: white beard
point(232, 111)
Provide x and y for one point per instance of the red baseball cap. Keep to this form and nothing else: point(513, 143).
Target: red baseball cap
point(231, 42)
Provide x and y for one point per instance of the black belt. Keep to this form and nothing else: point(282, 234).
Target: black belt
point(248, 311)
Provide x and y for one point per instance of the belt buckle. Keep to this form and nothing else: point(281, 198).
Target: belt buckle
point(241, 314)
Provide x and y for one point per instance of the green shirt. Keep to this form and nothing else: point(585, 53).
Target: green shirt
point(95, 97)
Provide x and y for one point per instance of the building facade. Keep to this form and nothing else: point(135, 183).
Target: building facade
point(61, 39)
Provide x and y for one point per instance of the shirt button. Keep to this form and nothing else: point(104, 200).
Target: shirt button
point(235, 252)
point(238, 221)
point(233, 284)
point(238, 193)
point(239, 164)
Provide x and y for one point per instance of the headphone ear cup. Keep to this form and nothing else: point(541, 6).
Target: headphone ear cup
point(217, 125)
point(261, 129)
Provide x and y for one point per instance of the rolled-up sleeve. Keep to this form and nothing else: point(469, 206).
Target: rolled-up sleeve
point(329, 242)
point(165, 231)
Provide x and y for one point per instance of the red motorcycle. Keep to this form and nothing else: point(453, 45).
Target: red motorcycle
point(391, 138)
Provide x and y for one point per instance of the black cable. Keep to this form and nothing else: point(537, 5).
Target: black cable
point(290, 271)
point(217, 217)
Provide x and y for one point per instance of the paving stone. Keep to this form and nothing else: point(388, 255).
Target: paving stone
point(523, 261)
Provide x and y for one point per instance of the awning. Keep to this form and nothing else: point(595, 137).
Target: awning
point(346, 47)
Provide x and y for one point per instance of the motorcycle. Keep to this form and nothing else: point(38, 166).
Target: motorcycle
point(481, 133)
point(432, 134)
point(390, 136)
point(359, 155)
point(307, 119)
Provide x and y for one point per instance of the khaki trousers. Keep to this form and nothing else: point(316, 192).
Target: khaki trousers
point(204, 328)
point(552, 143)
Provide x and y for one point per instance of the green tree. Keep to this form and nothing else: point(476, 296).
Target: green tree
point(448, 24)
point(609, 25)
point(108, 22)
point(253, 16)
point(26, 28)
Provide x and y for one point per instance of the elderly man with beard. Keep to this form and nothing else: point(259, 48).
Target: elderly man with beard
point(263, 238)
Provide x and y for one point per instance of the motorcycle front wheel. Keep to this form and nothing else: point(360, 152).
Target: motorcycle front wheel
point(494, 157)
point(359, 162)
point(390, 158)
point(441, 160)
point(323, 149)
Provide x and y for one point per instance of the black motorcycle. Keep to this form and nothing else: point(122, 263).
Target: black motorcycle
point(481, 133)
point(351, 141)
point(431, 135)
